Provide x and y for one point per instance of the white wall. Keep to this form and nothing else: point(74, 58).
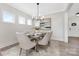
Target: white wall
point(66, 27)
point(74, 30)
point(8, 30)
point(57, 24)
point(7, 34)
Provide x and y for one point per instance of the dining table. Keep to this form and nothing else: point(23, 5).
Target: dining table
point(35, 37)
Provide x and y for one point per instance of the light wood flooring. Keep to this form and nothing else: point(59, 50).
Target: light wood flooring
point(56, 48)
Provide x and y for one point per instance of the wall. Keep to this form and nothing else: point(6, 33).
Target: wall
point(66, 17)
point(8, 30)
point(57, 24)
point(74, 30)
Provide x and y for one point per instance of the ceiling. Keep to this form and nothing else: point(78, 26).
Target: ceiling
point(74, 9)
point(44, 8)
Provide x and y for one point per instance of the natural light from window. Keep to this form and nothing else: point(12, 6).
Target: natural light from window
point(29, 22)
point(8, 17)
point(21, 20)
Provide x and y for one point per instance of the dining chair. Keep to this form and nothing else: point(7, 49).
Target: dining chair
point(50, 34)
point(45, 40)
point(24, 42)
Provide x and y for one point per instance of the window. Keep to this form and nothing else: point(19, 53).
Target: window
point(8, 17)
point(21, 20)
point(29, 22)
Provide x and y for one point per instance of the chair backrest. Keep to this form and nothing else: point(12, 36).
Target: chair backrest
point(45, 39)
point(23, 40)
point(50, 34)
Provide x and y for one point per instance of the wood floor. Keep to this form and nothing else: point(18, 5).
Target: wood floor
point(56, 48)
point(73, 46)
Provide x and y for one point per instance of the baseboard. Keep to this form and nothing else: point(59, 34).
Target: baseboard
point(72, 37)
point(8, 47)
point(59, 39)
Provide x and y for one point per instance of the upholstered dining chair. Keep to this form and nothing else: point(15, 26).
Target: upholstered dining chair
point(24, 42)
point(46, 39)
point(50, 34)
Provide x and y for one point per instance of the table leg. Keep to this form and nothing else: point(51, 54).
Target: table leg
point(36, 48)
point(0, 53)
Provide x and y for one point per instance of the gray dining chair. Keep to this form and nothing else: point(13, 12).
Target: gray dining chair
point(24, 42)
point(46, 39)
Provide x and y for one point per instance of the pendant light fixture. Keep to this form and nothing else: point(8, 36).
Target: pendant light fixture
point(37, 11)
point(37, 19)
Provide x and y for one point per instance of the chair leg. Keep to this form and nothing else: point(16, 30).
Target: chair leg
point(20, 51)
point(48, 43)
point(0, 54)
point(27, 52)
point(36, 48)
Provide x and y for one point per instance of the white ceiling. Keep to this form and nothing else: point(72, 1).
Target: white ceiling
point(44, 8)
point(74, 9)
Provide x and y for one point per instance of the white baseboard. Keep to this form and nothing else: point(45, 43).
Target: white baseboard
point(59, 39)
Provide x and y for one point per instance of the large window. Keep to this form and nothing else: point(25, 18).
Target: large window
point(21, 20)
point(29, 21)
point(8, 17)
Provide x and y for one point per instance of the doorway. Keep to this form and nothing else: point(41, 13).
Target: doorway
point(73, 31)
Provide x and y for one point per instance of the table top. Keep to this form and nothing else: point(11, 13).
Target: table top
point(35, 36)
